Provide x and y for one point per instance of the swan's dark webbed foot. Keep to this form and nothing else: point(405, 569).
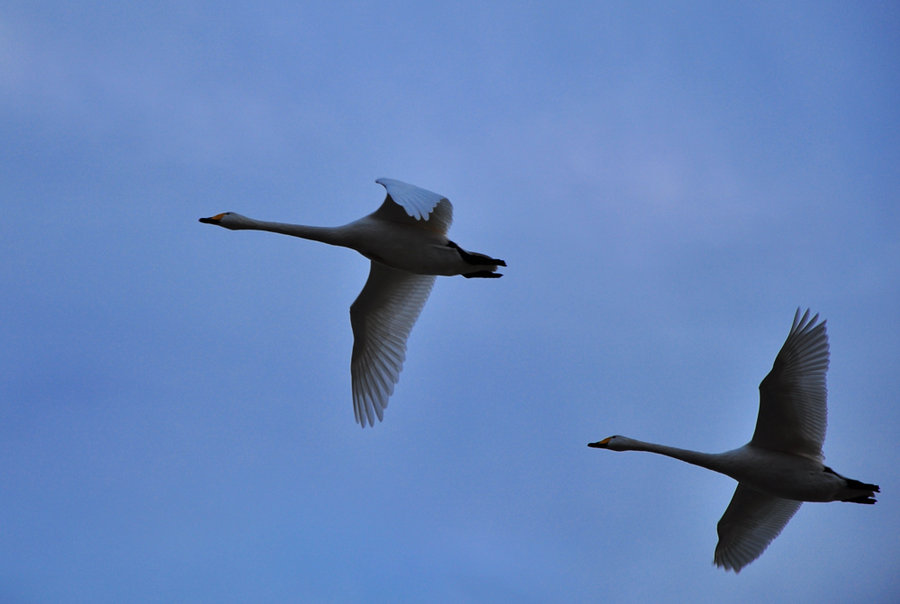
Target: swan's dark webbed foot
point(484, 274)
point(476, 259)
point(865, 491)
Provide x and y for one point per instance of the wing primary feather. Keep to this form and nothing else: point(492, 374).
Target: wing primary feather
point(409, 203)
point(751, 522)
point(382, 317)
point(792, 397)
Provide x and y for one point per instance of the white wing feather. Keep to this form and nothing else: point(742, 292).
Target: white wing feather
point(792, 398)
point(382, 317)
point(419, 204)
point(750, 523)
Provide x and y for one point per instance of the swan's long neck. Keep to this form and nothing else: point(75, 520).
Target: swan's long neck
point(330, 235)
point(712, 461)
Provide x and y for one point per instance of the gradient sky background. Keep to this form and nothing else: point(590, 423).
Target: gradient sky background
point(666, 183)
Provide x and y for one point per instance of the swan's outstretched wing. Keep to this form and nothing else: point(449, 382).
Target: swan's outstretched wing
point(792, 406)
point(750, 523)
point(382, 317)
point(408, 203)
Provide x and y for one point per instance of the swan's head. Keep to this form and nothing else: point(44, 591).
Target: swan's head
point(613, 443)
point(229, 220)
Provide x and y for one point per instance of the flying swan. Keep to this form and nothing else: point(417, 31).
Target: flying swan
point(781, 466)
point(406, 240)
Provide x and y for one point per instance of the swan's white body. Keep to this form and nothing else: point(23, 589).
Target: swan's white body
point(406, 240)
point(781, 466)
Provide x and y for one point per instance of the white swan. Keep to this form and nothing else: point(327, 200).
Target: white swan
point(406, 240)
point(782, 465)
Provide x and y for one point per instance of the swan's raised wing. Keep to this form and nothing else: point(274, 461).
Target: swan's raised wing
point(408, 203)
point(382, 317)
point(792, 398)
point(750, 523)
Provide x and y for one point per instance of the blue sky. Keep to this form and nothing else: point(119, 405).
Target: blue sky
point(667, 183)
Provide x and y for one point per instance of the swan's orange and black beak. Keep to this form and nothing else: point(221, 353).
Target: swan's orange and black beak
point(212, 219)
point(601, 444)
